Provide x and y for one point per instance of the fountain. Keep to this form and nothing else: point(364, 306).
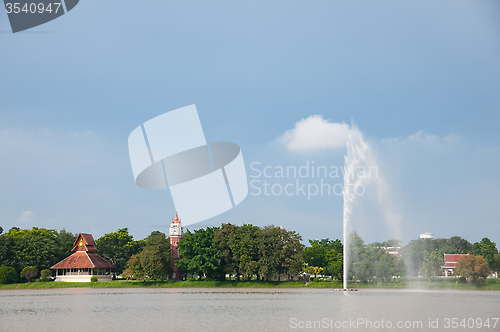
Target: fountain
point(358, 155)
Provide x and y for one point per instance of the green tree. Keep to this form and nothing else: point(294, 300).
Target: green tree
point(225, 241)
point(497, 260)
point(7, 275)
point(280, 252)
point(1, 230)
point(7, 255)
point(472, 267)
point(35, 247)
point(45, 275)
point(334, 264)
point(117, 247)
point(433, 260)
point(246, 249)
point(29, 272)
point(315, 255)
point(199, 255)
point(64, 243)
point(459, 245)
point(154, 261)
point(414, 252)
point(488, 250)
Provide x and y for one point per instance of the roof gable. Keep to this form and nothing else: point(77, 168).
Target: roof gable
point(84, 242)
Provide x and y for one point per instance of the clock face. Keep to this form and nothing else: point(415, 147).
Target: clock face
point(174, 231)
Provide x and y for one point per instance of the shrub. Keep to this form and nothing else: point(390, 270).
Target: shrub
point(94, 279)
point(45, 275)
point(29, 272)
point(7, 275)
point(473, 268)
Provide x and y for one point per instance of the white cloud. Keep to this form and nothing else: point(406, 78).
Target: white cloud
point(26, 216)
point(315, 134)
point(421, 136)
point(425, 138)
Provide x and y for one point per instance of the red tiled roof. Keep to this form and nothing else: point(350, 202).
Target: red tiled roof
point(89, 240)
point(81, 260)
point(452, 258)
point(84, 248)
point(449, 265)
point(84, 242)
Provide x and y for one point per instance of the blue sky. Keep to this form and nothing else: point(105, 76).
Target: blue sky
point(421, 80)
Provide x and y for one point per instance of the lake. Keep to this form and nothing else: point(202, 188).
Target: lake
point(246, 309)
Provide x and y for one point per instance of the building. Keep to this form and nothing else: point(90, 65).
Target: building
point(84, 263)
point(395, 251)
point(450, 263)
point(175, 234)
point(426, 235)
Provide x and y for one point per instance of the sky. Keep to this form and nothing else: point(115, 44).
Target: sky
point(286, 81)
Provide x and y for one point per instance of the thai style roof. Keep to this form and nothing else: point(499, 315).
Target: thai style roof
point(82, 260)
point(450, 260)
point(84, 242)
point(84, 255)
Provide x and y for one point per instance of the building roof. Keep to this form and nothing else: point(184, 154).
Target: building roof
point(450, 260)
point(84, 255)
point(82, 260)
point(176, 220)
point(84, 242)
point(88, 238)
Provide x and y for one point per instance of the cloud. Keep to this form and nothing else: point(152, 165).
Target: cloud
point(26, 217)
point(315, 134)
point(424, 138)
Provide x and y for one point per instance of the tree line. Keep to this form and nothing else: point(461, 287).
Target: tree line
point(421, 257)
point(242, 252)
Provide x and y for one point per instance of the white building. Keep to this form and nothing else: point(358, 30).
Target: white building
point(426, 235)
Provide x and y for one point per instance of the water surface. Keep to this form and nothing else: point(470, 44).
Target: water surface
point(243, 309)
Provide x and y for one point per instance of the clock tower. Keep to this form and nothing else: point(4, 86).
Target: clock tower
point(175, 235)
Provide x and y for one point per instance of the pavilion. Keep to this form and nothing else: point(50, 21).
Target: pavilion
point(84, 263)
point(450, 263)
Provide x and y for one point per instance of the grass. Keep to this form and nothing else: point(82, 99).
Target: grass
point(441, 283)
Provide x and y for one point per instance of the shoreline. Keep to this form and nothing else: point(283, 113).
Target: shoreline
point(490, 284)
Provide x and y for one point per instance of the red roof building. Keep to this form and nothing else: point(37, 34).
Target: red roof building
point(450, 263)
point(84, 263)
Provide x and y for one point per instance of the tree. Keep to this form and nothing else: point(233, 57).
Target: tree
point(315, 255)
point(433, 260)
point(45, 275)
point(414, 252)
point(64, 242)
point(280, 252)
point(29, 272)
point(327, 254)
point(313, 270)
point(35, 247)
point(459, 245)
point(334, 264)
point(497, 260)
point(225, 241)
point(1, 230)
point(7, 275)
point(154, 261)
point(472, 267)
point(488, 250)
point(199, 255)
point(246, 249)
point(117, 247)
point(7, 255)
